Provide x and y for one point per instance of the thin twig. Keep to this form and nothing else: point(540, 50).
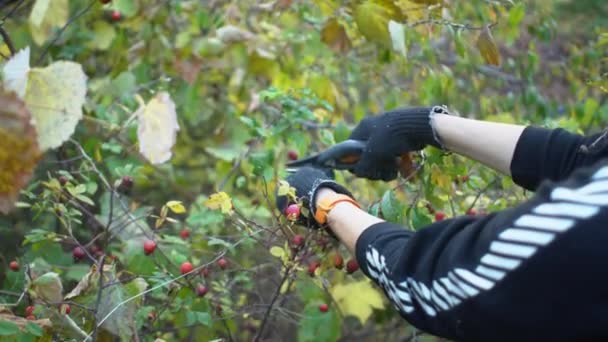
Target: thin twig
point(449, 23)
point(99, 293)
point(276, 295)
point(68, 23)
point(7, 40)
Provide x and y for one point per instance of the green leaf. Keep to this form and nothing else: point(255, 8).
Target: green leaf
point(391, 208)
point(419, 218)
point(318, 326)
point(516, 14)
point(103, 35)
point(224, 153)
point(33, 329)
point(8, 328)
point(194, 317)
point(128, 8)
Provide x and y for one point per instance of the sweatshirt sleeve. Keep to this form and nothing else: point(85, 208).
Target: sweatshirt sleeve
point(502, 276)
point(551, 154)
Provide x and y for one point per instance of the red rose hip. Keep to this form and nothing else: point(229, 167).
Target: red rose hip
point(149, 247)
point(201, 290)
point(298, 240)
point(14, 266)
point(222, 263)
point(323, 307)
point(352, 266)
point(78, 253)
point(186, 267)
point(439, 216)
point(292, 212)
point(184, 234)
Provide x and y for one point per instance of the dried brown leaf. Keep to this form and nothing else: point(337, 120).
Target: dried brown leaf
point(19, 152)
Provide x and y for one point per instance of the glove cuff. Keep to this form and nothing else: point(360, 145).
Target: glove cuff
point(325, 183)
point(416, 125)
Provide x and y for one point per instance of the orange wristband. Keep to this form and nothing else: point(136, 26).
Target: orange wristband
point(328, 203)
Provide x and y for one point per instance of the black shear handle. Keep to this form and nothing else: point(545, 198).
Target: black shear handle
point(341, 156)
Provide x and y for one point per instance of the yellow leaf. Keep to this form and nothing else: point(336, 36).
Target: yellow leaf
point(221, 201)
point(360, 305)
point(487, 47)
point(176, 207)
point(158, 128)
point(104, 34)
point(19, 151)
point(440, 178)
point(55, 96)
point(286, 190)
point(334, 35)
point(46, 16)
point(372, 18)
point(327, 7)
point(277, 252)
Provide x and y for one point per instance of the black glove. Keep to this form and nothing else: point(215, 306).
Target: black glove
point(307, 181)
point(391, 134)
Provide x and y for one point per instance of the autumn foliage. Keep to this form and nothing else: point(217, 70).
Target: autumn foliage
point(142, 144)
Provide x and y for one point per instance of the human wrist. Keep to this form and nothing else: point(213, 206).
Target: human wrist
point(323, 193)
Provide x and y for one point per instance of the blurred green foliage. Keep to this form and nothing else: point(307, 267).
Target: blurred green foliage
point(251, 82)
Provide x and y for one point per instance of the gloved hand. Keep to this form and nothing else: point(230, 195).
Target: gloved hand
point(307, 181)
point(391, 134)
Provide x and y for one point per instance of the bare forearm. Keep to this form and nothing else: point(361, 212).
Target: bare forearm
point(490, 143)
point(347, 221)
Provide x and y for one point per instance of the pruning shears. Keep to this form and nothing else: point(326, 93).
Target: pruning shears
point(341, 156)
point(344, 156)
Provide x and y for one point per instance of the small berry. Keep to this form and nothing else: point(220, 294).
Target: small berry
point(222, 263)
point(149, 247)
point(292, 212)
point(312, 268)
point(184, 234)
point(205, 272)
point(152, 315)
point(464, 178)
point(298, 240)
point(66, 309)
point(323, 242)
point(219, 309)
point(105, 1)
point(472, 212)
point(201, 290)
point(439, 216)
point(116, 15)
point(30, 318)
point(78, 253)
point(126, 184)
point(29, 311)
point(14, 265)
point(186, 267)
point(323, 307)
point(352, 266)
point(63, 180)
point(292, 155)
point(338, 261)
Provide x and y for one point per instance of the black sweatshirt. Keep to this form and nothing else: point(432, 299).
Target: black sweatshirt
point(535, 272)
